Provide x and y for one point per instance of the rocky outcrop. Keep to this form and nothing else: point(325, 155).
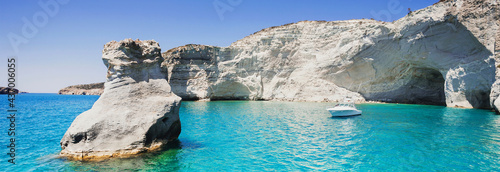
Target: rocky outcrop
point(84, 89)
point(137, 111)
point(192, 70)
point(6, 90)
point(443, 55)
point(495, 90)
point(209, 72)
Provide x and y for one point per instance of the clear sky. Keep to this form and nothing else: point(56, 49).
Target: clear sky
point(60, 44)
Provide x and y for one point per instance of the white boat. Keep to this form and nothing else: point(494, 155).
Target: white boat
point(345, 108)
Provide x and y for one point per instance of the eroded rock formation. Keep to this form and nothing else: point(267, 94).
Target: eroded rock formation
point(445, 54)
point(137, 111)
point(192, 70)
point(7, 90)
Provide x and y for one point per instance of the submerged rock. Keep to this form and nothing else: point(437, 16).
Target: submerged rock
point(137, 111)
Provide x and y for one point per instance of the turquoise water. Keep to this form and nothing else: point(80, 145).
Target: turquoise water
point(273, 136)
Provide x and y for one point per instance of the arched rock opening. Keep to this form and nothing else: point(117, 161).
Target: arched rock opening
point(421, 86)
point(426, 86)
point(229, 90)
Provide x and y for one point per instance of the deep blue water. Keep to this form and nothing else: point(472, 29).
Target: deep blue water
point(272, 136)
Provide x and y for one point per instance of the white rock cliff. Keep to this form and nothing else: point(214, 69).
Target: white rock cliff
point(137, 111)
point(443, 54)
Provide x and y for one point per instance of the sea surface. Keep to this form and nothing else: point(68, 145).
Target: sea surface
point(271, 136)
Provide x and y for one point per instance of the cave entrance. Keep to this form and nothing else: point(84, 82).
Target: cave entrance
point(426, 86)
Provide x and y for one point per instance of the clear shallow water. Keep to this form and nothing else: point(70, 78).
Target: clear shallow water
point(274, 136)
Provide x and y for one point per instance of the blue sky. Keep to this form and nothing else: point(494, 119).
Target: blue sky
point(65, 46)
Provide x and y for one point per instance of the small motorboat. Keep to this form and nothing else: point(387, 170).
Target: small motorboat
point(345, 108)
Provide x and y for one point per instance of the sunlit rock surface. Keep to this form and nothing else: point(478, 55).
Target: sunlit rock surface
point(137, 111)
point(445, 54)
point(7, 90)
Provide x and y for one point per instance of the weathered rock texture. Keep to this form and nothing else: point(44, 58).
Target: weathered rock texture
point(84, 89)
point(445, 54)
point(6, 90)
point(137, 111)
point(192, 70)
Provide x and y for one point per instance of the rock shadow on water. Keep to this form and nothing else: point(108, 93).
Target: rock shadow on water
point(345, 117)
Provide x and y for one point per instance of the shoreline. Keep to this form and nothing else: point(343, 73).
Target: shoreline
point(273, 100)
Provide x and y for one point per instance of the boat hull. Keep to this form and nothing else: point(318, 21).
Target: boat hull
point(344, 112)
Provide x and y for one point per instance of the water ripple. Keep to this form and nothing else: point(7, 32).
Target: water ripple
point(278, 136)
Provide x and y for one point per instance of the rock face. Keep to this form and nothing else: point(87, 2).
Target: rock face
point(443, 55)
point(137, 111)
point(208, 72)
point(192, 70)
point(6, 90)
point(84, 89)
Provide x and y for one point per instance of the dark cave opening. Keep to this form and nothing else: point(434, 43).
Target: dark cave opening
point(422, 86)
point(426, 86)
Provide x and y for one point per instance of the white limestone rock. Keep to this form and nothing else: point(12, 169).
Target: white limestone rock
point(445, 54)
point(137, 111)
point(495, 88)
point(191, 70)
point(442, 54)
